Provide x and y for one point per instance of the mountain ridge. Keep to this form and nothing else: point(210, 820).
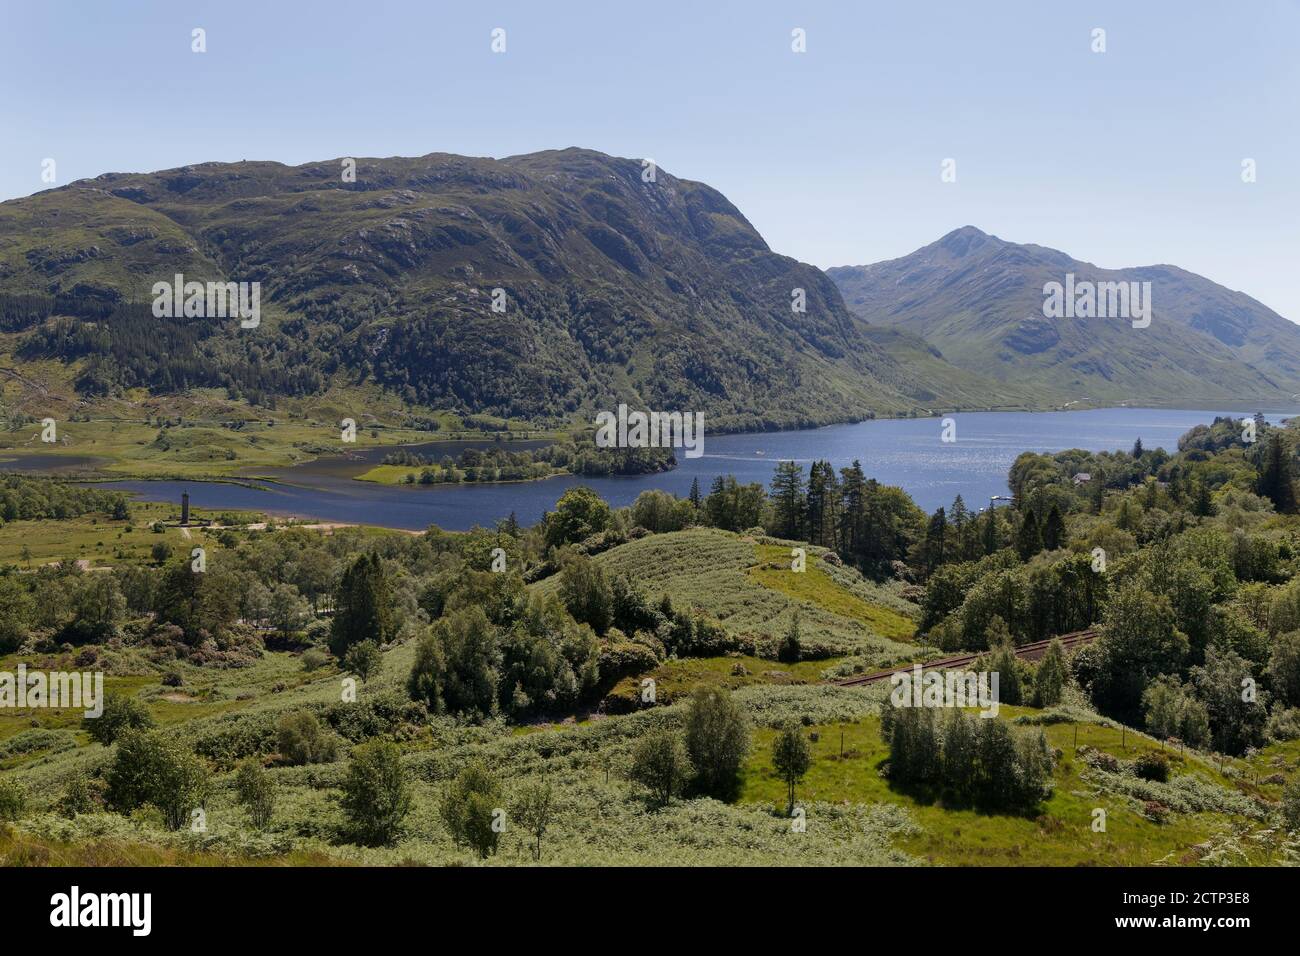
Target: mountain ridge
point(979, 300)
point(660, 293)
point(619, 287)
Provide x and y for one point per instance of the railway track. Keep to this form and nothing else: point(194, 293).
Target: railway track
point(1028, 652)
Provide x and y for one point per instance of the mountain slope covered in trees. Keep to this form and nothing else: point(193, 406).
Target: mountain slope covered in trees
point(657, 292)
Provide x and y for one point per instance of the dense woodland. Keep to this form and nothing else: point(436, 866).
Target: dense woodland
point(576, 455)
point(123, 345)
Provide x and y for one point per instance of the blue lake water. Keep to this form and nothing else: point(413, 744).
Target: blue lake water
point(904, 452)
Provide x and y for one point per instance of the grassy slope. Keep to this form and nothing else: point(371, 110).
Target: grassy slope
point(195, 450)
point(948, 386)
point(854, 815)
point(1059, 833)
point(734, 579)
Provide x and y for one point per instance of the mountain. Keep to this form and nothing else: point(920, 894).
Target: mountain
point(979, 302)
point(657, 293)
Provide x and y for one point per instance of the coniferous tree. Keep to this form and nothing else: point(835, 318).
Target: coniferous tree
point(1174, 485)
point(1202, 504)
point(990, 536)
point(1097, 493)
point(788, 500)
point(695, 499)
point(1054, 535)
point(1152, 495)
point(822, 502)
point(1124, 517)
point(1029, 540)
point(934, 547)
point(1276, 481)
point(853, 504)
point(364, 606)
point(961, 520)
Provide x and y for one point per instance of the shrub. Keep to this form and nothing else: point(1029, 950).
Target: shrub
point(376, 793)
point(1152, 765)
point(301, 739)
point(256, 792)
point(386, 713)
point(364, 659)
point(1283, 724)
point(1291, 804)
point(1155, 811)
point(149, 768)
point(121, 713)
point(661, 765)
point(35, 739)
point(789, 650)
point(236, 736)
point(13, 799)
point(317, 631)
point(717, 740)
point(1050, 678)
point(78, 797)
point(626, 659)
point(314, 659)
point(469, 808)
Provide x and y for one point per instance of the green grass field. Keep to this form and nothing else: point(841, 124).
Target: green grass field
point(103, 541)
point(1059, 833)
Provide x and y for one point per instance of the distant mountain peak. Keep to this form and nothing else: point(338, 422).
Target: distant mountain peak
point(965, 236)
point(979, 300)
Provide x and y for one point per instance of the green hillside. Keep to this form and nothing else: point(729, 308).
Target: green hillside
point(978, 301)
point(616, 288)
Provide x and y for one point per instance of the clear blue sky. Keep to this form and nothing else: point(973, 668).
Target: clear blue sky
point(1129, 157)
